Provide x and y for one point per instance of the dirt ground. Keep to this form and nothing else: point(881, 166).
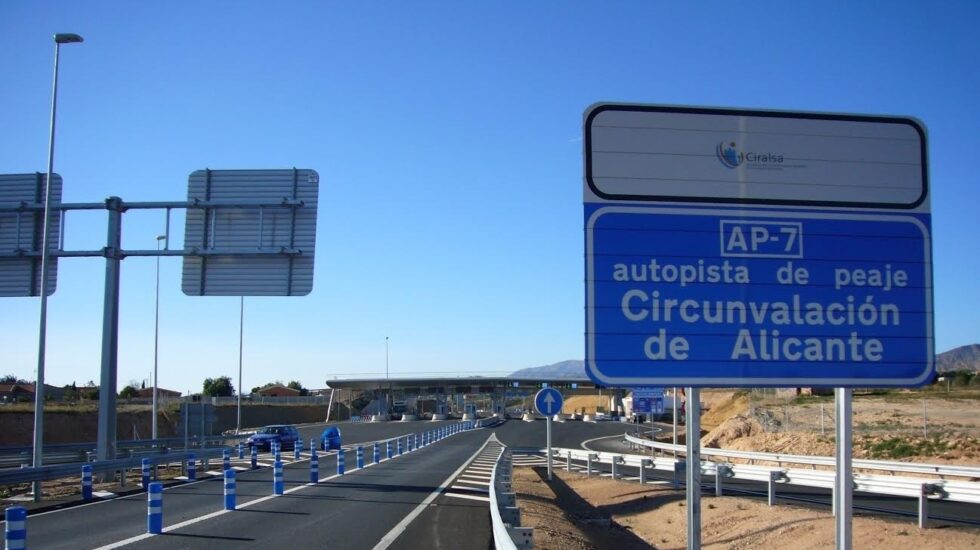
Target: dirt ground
point(935, 428)
point(578, 513)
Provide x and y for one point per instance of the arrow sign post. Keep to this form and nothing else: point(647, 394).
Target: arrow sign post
point(548, 402)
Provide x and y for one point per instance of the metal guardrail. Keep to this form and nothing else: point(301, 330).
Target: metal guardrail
point(60, 453)
point(505, 516)
point(941, 470)
point(925, 490)
point(12, 476)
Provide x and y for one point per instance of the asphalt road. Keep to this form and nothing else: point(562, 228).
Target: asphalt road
point(376, 496)
point(434, 497)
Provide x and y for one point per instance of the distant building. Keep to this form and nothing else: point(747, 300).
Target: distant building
point(277, 390)
point(161, 392)
point(25, 392)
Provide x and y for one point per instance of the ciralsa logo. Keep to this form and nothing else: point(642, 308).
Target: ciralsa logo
point(728, 154)
point(731, 157)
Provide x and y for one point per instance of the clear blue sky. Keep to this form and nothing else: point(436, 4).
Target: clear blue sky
point(448, 140)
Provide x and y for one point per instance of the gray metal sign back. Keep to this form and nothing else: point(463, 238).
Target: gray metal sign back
point(21, 221)
point(238, 248)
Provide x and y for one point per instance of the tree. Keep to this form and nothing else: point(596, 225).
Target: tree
point(218, 387)
point(127, 392)
point(71, 393)
point(297, 386)
point(12, 379)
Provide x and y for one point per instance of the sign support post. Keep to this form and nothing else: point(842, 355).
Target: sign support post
point(549, 448)
point(106, 443)
point(674, 399)
point(693, 468)
point(548, 402)
point(844, 487)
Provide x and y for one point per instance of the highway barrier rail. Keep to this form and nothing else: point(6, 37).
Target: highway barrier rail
point(60, 453)
point(941, 470)
point(11, 476)
point(924, 490)
point(505, 516)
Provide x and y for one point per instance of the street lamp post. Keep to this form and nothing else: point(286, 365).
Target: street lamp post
point(59, 39)
point(241, 342)
point(156, 340)
point(387, 379)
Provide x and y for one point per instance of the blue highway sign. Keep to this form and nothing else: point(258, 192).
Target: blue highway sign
point(548, 401)
point(802, 259)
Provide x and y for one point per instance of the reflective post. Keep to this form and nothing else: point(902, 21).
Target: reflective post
point(230, 489)
point(277, 480)
point(314, 466)
point(15, 532)
point(154, 508)
point(87, 482)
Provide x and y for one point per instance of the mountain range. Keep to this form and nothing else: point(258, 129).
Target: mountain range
point(961, 358)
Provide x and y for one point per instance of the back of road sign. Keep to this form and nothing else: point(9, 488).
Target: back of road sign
point(241, 249)
point(756, 248)
point(548, 401)
point(21, 221)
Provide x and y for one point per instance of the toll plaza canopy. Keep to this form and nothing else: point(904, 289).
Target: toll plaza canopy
point(468, 385)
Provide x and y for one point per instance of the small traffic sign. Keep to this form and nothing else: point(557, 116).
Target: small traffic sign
point(548, 401)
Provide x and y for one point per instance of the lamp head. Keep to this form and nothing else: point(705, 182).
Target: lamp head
point(67, 38)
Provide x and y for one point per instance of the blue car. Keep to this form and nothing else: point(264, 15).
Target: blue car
point(330, 438)
point(284, 434)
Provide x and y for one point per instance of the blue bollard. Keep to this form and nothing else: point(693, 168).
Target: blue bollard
point(154, 509)
point(225, 459)
point(360, 456)
point(399, 446)
point(314, 466)
point(377, 453)
point(145, 473)
point(340, 462)
point(15, 534)
point(255, 457)
point(277, 481)
point(87, 482)
point(230, 489)
point(191, 467)
point(416, 441)
point(408, 443)
point(241, 451)
point(297, 447)
point(312, 443)
point(388, 451)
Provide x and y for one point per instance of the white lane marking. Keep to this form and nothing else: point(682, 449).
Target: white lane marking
point(217, 513)
point(487, 483)
point(587, 441)
point(397, 530)
point(469, 497)
point(170, 528)
point(471, 489)
point(480, 478)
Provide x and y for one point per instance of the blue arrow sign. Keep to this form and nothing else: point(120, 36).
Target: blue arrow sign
point(548, 401)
